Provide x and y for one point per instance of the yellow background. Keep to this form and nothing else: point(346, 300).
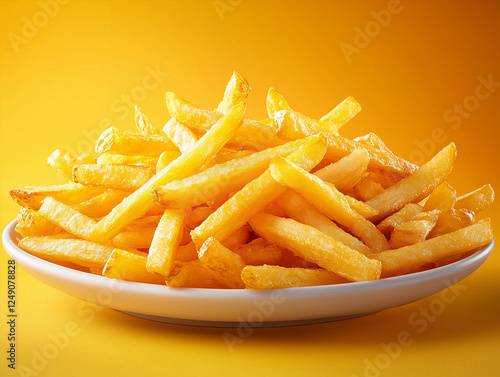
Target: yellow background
point(69, 76)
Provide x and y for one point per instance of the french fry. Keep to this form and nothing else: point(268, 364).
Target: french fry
point(367, 189)
point(254, 197)
point(373, 140)
point(69, 193)
point(405, 214)
point(277, 277)
point(220, 259)
point(186, 253)
point(193, 274)
point(237, 238)
point(237, 91)
point(414, 231)
point(339, 147)
point(259, 252)
point(135, 239)
point(251, 134)
point(451, 221)
point(221, 179)
point(102, 204)
point(61, 163)
point(416, 186)
point(181, 136)
point(118, 177)
point(121, 159)
point(165, 159)
point(143, 124)
point(31, 223)
point(442, 198)
point(346, 172)
point(165, 243)
point(292, 125)
point(477, 200)
point(327, 199)
point(220, 158)
point(67, 218)
point(85, 158)
point(326, 252)
point(124, 265)
point(297, 208)
point(343, 112)
point(197, 216)
point(81, 252)
point(117, 141)
point(409, 258)
point(139, 202)
point(291, 260)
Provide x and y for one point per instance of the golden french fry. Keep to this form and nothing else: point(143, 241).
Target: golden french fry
point(180, 135)
point(69, 193)
point(254, 197)
point(85, 158)
point(414, 231)
point(405, 214)
point(121, 159)
point(197, 216)
point(186, 253)
point(118, 177)
point(134, 239)
point(367, 189)
point(220, 259)
point(237, 91)
point(140, 201)
point(102, 204)
point(222, 157)
point(339, 147)
point(373, 140)
point(193, 274)
point(299, 209)
point(81, 252)
point(165, 242)
point(343, 112)
point(442, 198)
point(31, 223)
point(451, 221)
point(143, 124)
point(251, 134)
point(259, 252)
point(61, 163)
point(328, 253)
point(237, 238)
point(346, 172)
point(409, 258)
point(220, 180)
point(124, 265)
point(327, 199)
point(117, 141)
point(416, 186)
point(477, 200)
point(67, 217)
point(165, 159)
point(277, 277)
point(292, 125)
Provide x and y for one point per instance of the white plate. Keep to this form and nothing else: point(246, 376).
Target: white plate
point(240, 307)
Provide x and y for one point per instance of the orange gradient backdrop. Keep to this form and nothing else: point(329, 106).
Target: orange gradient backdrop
point(426, 73)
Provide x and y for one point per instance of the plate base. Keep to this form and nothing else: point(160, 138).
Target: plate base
point(192, 322)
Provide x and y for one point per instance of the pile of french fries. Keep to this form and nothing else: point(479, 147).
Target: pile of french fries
point(216, 200)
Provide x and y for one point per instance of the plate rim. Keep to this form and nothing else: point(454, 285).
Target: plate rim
point(231, 294)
